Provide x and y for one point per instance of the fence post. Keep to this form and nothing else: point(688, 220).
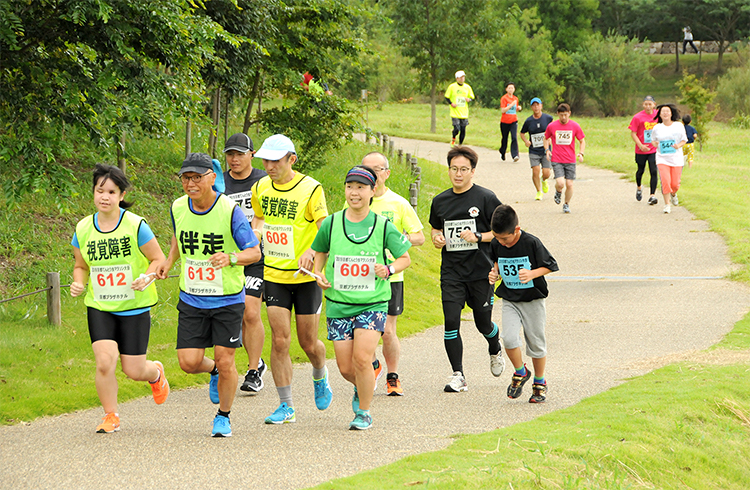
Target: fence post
point(413, 163)
point(408, 158)
point(390, 147)
point(385, 144)
point(378, 135)
point(400, 156)
point(54, 309)
point(413, 196)
point(418, 177)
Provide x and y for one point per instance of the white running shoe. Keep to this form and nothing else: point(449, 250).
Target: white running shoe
point(457, 383)
point(497, 364)
point(675, 201)
point(667, 209)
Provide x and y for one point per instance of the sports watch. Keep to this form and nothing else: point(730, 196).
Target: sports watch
point(478, 235)
point(232, 259)
point(392, 270)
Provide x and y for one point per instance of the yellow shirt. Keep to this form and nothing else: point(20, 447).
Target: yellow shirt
point(458, 95)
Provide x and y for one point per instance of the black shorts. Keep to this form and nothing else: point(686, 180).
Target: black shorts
point(396, 304)
point(254, 284)
point(306, 297)
point(642, 158)
point(203, 328)
point(477, 294)
point(130, 332)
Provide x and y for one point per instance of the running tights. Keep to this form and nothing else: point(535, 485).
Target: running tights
point(452, 338)
point(461, 132)
point(651, 169)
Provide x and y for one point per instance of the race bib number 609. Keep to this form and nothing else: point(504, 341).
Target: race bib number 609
point(354, 273)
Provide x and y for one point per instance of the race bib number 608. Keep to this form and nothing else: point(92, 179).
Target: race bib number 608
point(278, 241)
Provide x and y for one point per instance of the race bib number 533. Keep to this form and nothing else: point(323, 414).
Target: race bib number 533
point(112, 282)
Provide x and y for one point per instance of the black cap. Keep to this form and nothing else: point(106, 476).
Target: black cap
point(239, 142)
point(199, 163)
point(650, 98)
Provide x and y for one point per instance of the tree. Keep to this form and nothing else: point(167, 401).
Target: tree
point(568, 21)
point(723, 21)
point(698, 98)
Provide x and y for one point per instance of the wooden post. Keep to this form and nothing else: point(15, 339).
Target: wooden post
point(390, 147)
point(54, 308)
point(413, 163)
point(188, 137)
point(418, 175)
point(413, 196)
point(400, 156)
point(377, 138)
point(385, 144)
point(408, 158)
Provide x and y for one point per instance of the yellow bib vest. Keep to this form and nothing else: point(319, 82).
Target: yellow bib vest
point(114, 261)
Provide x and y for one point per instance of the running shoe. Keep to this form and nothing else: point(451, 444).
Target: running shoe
point(160, 387)
point(282, 415)
point(222, 427)
point(539, 393)
point(497, 364)
point(457, 383)
point(323, 393)
point(638, 195)
point(545, 186)
point(110, 423)
point(675, 201)
point(378, 374)
point(653, 200)
point(538, 196)
point(566, 208)
point(502, 155)
point(515, 159)
point(394, 387)
point(667, 209)
point(453, 142)
point(213, 389)
point(262, 367)
point(253, 382)
point(516, 384)
point(362, 421)
point(558, 197)
point(355, 401)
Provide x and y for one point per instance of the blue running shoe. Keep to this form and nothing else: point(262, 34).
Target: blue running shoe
point(282, 415)
point(355, 401)
point(362, 421)
point(213, 389)
point(323, 393)
point(222, 428)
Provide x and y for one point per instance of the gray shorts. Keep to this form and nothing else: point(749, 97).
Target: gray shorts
point(459, 123)
point(537, 160)
point(532, 316)
point(567, 170)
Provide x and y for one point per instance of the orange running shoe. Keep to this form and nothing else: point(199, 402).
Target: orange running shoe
point(394, 387)
point(160, 388)
point(378, 374)
point(110, 423)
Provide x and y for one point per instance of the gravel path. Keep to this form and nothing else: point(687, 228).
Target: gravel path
point(634, 286)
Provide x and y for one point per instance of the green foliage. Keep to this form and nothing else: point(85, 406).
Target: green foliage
point(740, 121)
point(609, 70)
point(568, 21)
point(698, 98)
point(733, 90)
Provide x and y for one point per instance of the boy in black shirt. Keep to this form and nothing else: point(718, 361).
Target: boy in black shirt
point(460, 220)
point(521, 260)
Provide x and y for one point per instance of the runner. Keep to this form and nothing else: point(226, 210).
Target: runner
point(238, 180)
point(640, 131)
point(509, 106)
point(669, 138)
point(536, 125)
point(692, 135)
point(289, 208)
point(398, 210)
point(351, 263)
point(460, 219)
point(213, 238)
point(560, 147)
point(458, 95)
point(121, 292)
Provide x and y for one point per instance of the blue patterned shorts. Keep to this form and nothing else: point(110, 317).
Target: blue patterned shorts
point(343, 328)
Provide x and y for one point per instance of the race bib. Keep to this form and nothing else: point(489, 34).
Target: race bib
point(511, 109)
point(509, 267)
point(537, 140)
point(452, 231)
point(460, 101)
point(278, 241)
point(112, 282)
point(564, 137)
point(354, 273)
point(647, 135)
point(201, 278)
point(243, 201)
point(666, 147)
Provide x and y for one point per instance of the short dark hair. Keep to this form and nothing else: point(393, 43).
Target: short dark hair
point(563, 107)
point(686, 119)
point(504, 219)
point(672, 107)
point(509, 83)
point(463, 151)
point(103, 172)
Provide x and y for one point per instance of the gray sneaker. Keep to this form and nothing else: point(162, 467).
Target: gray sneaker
point(566, 208)
point(497, 364)
point(675, 201)
point(558, 197)
point(653, 200)
point(457, 383)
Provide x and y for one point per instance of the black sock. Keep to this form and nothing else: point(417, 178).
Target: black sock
point(392, 376)
point(224, 414)
point(215, 370)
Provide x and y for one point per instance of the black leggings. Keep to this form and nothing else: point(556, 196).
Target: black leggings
point(640, 160)
point(511, 128)
point(461, 131)
point(685, 43)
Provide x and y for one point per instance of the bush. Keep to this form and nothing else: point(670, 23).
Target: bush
point(698, 98)
point(733, 90)
point(740, 121)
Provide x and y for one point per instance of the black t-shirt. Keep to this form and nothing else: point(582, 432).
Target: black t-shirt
point(528, 253)
point(535, 127)
point(463, 261)
point(241, 191)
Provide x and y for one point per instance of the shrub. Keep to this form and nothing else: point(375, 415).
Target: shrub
point(698, 98)
point(733, 90)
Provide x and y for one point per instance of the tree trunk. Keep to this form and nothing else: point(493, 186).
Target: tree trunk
point(260, 103)
point(215, 114)
point(188, 137)
point(249, 111)
point(121, 159)
point(722, 48)
point(226, 118)
point(433, 102)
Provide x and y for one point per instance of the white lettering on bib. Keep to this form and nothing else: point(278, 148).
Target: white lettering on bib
point(243, 200)
point(278, 241)
point(453, 230)
point(564, 137)
point(537, 140)
point(201, 278)
point(112, 282)
point(352, 273)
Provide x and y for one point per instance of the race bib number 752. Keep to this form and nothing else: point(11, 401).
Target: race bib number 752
point(452, 231)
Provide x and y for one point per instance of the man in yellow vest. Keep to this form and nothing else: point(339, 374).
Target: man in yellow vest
point(289, 208)
point(214, 240)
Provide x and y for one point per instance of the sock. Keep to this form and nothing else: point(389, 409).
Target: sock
point(157, 378)
point(539, 381)
point(376, 364)
point(285, 395)
point(521, 371)
point(224, 414)
point(455, 349)
point(319, 374)
point(215, 370)
point(392, 376)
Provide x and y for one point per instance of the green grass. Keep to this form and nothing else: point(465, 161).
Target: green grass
point(37, 358)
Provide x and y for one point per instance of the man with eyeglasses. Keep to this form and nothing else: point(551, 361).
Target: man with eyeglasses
point(461, 227)
point(398, 210)
point(289, 208)
point(214, 239)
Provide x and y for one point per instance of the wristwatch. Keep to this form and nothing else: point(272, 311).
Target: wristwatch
point(478, 235)
point(232, 260)
point(392, 270)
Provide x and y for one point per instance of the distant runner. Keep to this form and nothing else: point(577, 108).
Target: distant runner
point(560, 147)
point(669, 137)
point(509, 107)
point(640, 128)
point(458, 95)
point(541, 167)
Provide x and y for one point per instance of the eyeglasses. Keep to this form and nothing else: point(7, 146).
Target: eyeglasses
point(462, 170)
point(379, 169)
point(195, 178)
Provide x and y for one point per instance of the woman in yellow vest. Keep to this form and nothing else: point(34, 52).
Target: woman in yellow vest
point(352, 268)
point(116, 251)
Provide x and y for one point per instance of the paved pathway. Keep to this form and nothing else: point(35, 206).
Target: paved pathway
point(634, 285)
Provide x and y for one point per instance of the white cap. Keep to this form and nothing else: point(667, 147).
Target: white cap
point(275, 148)
point(460, 73)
